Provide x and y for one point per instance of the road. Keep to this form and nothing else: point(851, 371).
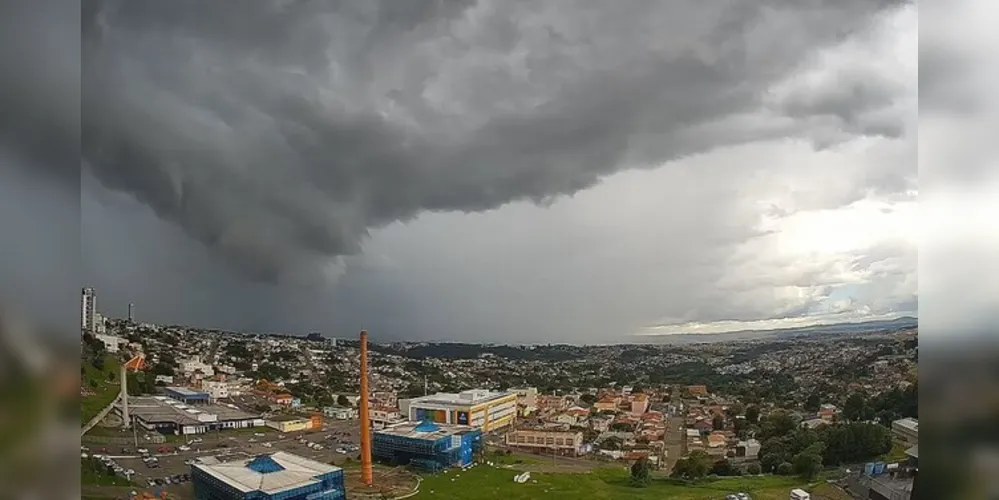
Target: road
point(675, 441)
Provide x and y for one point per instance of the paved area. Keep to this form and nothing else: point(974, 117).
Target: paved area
point(233, 445)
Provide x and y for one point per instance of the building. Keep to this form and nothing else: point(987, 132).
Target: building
point(383, 416)
point(547, 440)
point(111, 343)
point(426, 445)
point(283, 399)
point(100, 326)
point(169, 416)
point(216, 389)
point(280, 475)
point(526, 396)
point(906, 430)
point(88, 310)
point(827, 411)
point(639, 404)
point(748, 449)
point(478, 408)
point(187, 396)
point(289, 423)
point(607, 403)
point(697, 390)
point(192, 365)
point(340, 412)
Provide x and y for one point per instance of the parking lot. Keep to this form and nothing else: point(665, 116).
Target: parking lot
point(235, 445)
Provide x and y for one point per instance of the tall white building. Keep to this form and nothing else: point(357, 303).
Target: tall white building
point(88, 310)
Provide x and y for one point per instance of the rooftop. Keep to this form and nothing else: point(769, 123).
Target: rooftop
point(184, 391)
point(472, 397)
point(163, 409)
point(425, 430)
point(274, 473)
point(908, 423)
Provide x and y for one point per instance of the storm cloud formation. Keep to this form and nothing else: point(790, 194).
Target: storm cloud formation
point(279, 133)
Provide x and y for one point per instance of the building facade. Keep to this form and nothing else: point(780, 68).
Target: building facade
point(427, 446)
point(88, 310)
point(289, 424)
point(477, 408)
point(280, 475)
point(906, 430)
point(549, 441)
point(187, 396)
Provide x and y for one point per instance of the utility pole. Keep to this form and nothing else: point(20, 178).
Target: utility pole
point(135, 433)
point(426, 391)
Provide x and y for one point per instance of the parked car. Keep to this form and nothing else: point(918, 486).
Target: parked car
point(184, 448)
point(163, 449)
point(142, 450)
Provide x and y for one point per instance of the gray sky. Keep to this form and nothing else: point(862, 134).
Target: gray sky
point(507, 171)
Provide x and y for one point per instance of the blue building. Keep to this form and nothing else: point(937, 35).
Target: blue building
point(187, 396)
point(426, 445)
point(278, 476)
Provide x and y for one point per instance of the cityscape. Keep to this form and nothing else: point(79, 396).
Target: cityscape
point(184, 412)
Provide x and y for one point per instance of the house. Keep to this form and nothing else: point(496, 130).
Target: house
point(749, 449)
point(600, 424)
point(716, 439)
point(814, 423)
point(827, 412)
point(340, 412)
point(639, 404)
point(607, 403)
point(283, 399)
point(696, 390)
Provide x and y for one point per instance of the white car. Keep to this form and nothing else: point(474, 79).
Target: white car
point(184, 448)
point(142, 450)
point(266, 445)
point(251, 440)
point(258, 434)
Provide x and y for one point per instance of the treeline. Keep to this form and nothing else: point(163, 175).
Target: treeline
point(790, 449)
point(471, 351)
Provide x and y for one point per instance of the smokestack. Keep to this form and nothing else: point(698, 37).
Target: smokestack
point(366, 474)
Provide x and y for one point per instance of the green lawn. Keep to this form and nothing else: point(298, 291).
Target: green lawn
point(897, 453)
point(104, 393)
point(484, 482)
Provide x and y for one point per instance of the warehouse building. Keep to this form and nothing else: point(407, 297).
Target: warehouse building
point(291, 423)
point(478, 408)
point(187, 396)
point(280, 475)
point(427, 446)
point(169, 416)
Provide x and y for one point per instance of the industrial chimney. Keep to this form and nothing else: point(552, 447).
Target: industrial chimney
point(366, 473)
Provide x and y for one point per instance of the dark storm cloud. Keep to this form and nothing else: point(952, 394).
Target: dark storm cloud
point(279, 132)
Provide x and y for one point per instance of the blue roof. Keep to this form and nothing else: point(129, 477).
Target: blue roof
point(427, 426)
point(264, 464)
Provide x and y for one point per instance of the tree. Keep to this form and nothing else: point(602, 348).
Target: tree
point(718, 422)
point(778, 423)
point(753, 414)
point(785, 469)
point(808, 463)
point(640, 472)
point(611, 444)
point(813, 402)
point(754, 469)
point(588, 398)
point(855, 408)
point(725, 468)
point(695, 466)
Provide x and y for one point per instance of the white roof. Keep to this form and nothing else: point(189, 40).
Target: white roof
point(298, 471)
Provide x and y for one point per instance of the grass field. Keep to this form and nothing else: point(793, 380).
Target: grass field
point(487, 482)
point(105, 391)
point(897, 453)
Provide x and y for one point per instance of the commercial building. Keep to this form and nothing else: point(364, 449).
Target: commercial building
point(216, 389)
point(426, 445)
point(526, 396)
point(170, 416)
point(280, 475)
point(288, 423)
point(187, 396)
point(906, 430)
point(478, 408)
point(193, 365)
point(547, 440)
point(88, 309)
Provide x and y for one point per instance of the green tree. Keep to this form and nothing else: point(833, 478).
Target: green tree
point(754, 469)
point(588, 398)
point(813, 402)
point(785, 469)
point(753, 414)
point(724, 467)
point(640, 472)
point(778, 423)
point(808, 463)
point(855, 408)
point(695, 466)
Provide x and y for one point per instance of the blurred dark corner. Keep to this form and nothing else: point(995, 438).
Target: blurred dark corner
point(39, 208)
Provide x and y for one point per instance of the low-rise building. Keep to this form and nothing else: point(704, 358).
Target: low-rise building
point(111, 343)
point(279, 475)
point(187, 396)
point(289, 423)
point(426, 445)
point(547, 440)
point(169, 416)
point(906, 430)
point(478, 408)
point(340, 412)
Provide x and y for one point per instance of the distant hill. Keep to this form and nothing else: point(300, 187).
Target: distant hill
point(786, 333)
